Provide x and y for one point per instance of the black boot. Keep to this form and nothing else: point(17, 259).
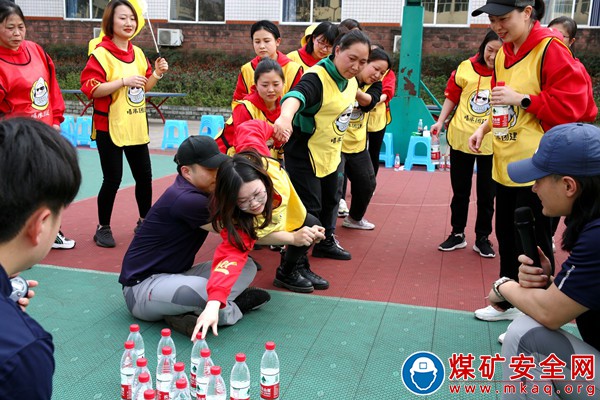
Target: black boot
point(287, 276)
point(318, 282)
point(330, 248)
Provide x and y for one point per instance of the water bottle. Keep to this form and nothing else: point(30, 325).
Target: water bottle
point(500, 118)
point(397, 162)
point(127, 370)
point(239, 382)
point(136, 337)
point(435, 149)
point(166, 340)
point(164, 373)
point(199, 344)
point(149, 395)
point(142, 367)
point(269, 373)
point(216, 389)
point(203, 373)
point(179, 373)
point(143, 386)
point(420, 127)
point(181, 392)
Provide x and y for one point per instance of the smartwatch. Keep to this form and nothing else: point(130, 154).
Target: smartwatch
point(497, 284)
point(525, 102)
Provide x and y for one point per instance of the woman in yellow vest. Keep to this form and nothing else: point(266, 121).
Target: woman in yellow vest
point(544, 87)
point(117, 76)
point(316, 114)
point(469, 92)
point(316, 44)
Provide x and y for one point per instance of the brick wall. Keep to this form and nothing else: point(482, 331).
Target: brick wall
point(234, 38)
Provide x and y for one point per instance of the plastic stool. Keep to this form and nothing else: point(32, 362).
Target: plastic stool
point(212, 123)
point(412, 158)
point(170, 138)
point(83, 131)
point(387, 156)
point(67, 129)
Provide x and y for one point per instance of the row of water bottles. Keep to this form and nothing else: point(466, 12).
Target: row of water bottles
point(205, 380)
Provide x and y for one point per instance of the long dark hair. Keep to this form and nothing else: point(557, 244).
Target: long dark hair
point(245, 166)
point(586, 208)
point(329, 32)
point(539, 9)
point(8, 8)
point(109, 16)
point(490, 36)
point(568, 23)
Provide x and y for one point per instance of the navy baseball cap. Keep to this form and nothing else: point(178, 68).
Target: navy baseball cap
point(501, 7)
point(569, 149)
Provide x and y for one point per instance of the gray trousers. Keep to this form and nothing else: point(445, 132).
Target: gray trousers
point(175, 294)
point(527, 336)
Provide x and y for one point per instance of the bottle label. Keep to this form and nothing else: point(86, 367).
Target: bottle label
point(193, 379)
point(269, 385)
point(240, 393)
point(435, 152)
point(162, 395)
point(201, 386)
point(125, 392)
point(500, 120)
point(126, 383)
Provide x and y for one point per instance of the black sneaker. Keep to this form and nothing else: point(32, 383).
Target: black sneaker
point(138, 225)
point(318, 282)
point(292, 281)
point(184, 323)
point(104, 237)
point(484, 247)
point(251, 299)
point(454, 241)
point(330, 248)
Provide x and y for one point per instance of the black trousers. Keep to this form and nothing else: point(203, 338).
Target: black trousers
point(111, 161)
point(293, 253)
point(508, 199)
point(375, 141)
point(359, 171)
point(461, 179)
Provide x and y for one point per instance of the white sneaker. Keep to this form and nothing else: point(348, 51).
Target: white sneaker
point(343, 209)
point(489, 313)
point(362, 224)
point(501, 338)
point(62, 242)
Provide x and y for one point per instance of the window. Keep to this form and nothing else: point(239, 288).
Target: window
point(312, 10)
point(198, 10)
point(85, 9)
point(447, 12)
point(579, 10)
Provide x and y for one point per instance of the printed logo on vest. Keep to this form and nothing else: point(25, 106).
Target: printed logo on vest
point(39, 94)
point(343, 119)
point(479, 102)
point(135, 96)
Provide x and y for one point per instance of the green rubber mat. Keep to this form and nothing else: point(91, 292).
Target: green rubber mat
point(89, 162)
point(329, 348)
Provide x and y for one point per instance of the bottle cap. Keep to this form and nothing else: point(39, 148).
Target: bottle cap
point(199, 335)
point(270, 345)
point(205, 353)
point(167, 350)
point(129, 344)
point(142, 362)
point(179, 366)
point(181, 383)
point(240, 357)
point(144, 377)
point(149, 394)
point(500, 83)
point(215, 370)
point(165, 332)
point(134, 328)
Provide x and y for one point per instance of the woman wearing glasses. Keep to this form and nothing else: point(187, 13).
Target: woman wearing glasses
point(316, 44)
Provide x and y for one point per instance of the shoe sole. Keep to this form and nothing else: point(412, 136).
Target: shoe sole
point(343, 215)
point(319, 255)
point(62, 246)
point(476, 249)
point(296, 289)
point(320, 287)
point(498, 318)
point(363, 228)
point(458, 246)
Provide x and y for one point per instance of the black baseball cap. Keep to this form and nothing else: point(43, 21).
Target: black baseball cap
point(501, 7)
point(199, 149)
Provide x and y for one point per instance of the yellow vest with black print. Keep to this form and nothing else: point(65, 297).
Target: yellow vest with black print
point(330, 123)
point(290, 70)
point(473, 109)
point(378, 116)
point(355, 139)
point(288, 211)
point(524, 129)
point(127, 121)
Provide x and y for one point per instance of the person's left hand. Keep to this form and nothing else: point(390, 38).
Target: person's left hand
point(208, 319)
point(161, 66)
point(24, 301)
point(505, 95)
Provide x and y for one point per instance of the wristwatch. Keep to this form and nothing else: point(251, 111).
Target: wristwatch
point(525, 102)
point(497, 284)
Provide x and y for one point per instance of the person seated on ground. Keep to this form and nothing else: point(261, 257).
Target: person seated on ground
point(160, 259)
point(40, 177)
point(255, 200)
point(566, 170)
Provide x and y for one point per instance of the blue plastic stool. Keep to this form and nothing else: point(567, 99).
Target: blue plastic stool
point(387, 156)
point(212, 123)
point(83, 131)
point(172, 139)
point(67, 129)
point(412, 158)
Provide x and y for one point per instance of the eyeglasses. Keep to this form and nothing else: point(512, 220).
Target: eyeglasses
point(259, 198)
point(323, 43)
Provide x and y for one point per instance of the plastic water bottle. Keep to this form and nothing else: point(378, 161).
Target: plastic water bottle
point(435, 149)
point(143, 386)
point(420, 127)
point(179, 373)
point(181, 392)
point(127, 370)
point(397, 162)
point(500, 118)
point(216, 389)
point(239, 382)
point(136, 336)
point(166, 340)
point(164, 374)
point(149, 395)
point(269, 373)
point(199, 344)
point(142, 367)
point(203, 373)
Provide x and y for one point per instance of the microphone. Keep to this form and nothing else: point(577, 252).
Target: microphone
point(525, 224)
